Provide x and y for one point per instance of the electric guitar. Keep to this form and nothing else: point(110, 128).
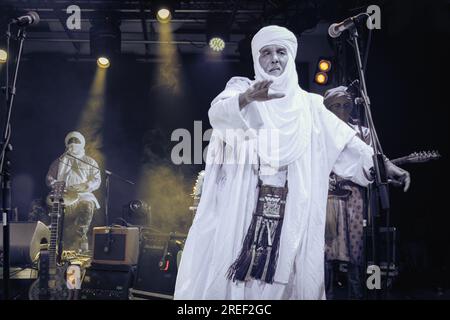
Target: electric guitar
point(337, 188)
point(417, 157)
point(70, 197)
point(51, 283)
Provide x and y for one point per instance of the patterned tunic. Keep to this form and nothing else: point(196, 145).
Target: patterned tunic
point(345, 214)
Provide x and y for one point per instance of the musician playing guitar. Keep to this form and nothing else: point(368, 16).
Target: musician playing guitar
point(81, 179)
point(345, 207)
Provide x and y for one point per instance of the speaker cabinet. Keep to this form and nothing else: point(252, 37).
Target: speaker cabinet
point(157, 268)
point(116, 245)
point(107, 282)
point(25, 240)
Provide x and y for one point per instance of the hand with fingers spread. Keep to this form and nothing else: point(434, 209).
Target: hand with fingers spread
point(258, 92)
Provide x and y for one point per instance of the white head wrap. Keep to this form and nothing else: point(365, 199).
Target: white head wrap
point(288, 118)
point(75, 149)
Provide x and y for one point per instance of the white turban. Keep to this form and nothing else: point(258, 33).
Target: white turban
point(75, 134)
point(287, 82)
point(75, 149)
point(288, 117)
point(274, 35)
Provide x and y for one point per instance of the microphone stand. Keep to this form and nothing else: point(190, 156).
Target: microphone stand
point(381, 181)
point(6, 148)
point(108, 174)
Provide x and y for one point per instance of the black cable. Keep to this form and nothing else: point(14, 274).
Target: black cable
point(366, 53)
point(388, 228)
point(388, 254)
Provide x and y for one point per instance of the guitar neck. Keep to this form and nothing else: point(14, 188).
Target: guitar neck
point(400, 161)
point(56, 208)
point(417, 158)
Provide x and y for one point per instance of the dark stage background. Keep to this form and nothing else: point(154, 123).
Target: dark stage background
point(407, 80)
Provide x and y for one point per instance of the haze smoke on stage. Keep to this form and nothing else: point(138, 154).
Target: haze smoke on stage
point(164, 186)
point(91, 120)
point(168, 193)
point(169, 67)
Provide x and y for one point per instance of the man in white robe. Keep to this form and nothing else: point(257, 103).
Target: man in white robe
point(81, 179)
point(310, 143)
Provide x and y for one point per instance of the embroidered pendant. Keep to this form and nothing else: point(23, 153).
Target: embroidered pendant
point(259, 254)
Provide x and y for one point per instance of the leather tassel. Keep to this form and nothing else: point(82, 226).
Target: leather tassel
point(259, 254)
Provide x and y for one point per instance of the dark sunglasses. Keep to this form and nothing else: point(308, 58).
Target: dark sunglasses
point(347, 105)
point(74, 140)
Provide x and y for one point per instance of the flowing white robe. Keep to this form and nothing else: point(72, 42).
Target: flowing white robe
point(74, 172)
point(229, 198)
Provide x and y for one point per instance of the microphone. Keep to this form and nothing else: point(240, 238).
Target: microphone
point(30, 18)
point(353, 88)
point(336, 29)
point(353, 91)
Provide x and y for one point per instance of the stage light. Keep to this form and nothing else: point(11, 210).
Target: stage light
point(103, 62)
point(163, 15)
point(164, 9)
point(217, 44)
point(324, 65)
point(324, 73)
point(217, 33)
point(3, 56)
point(105, 39)
point(137, 212)
point(321, 78)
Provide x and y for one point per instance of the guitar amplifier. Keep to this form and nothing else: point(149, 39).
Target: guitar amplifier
point(107, 282)
point(158, 265)
point(116, 245)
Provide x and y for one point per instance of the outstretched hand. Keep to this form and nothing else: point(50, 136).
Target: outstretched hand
point(258, 92)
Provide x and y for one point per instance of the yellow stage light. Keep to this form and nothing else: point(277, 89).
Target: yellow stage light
point(324, 65)
point(217, 44)
point(3, 56)
point(103, 62)
point(321, 78)
point(163, 15)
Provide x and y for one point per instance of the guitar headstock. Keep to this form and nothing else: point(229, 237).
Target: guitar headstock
point(57, 192)
point(424, 156)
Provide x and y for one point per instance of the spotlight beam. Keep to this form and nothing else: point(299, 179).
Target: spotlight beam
point(91, 118)
point(168, 73)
